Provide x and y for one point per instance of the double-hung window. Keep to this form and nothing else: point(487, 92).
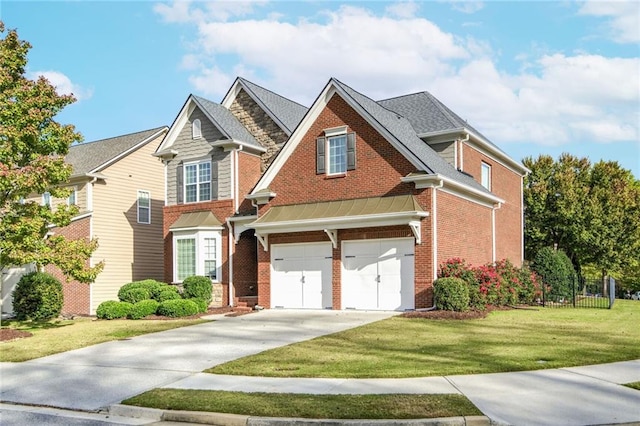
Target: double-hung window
point(336, 151)
point(197, 182)
point(485, 175)
point(144, 207)
point(72, 197)
point(197, 253)
point(46, 199)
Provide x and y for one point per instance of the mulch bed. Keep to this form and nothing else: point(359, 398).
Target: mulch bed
point(7, 334)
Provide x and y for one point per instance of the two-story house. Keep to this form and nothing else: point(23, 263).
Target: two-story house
point(118, 187)
point(213, 155)
point(367, 198)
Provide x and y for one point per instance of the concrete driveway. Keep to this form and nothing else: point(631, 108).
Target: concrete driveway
point(92, 378)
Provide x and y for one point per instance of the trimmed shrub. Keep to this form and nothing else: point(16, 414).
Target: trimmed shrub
point(556, 271)
point(143, 308)
point(113, 309)
point(177, 308)
point(202, 304)
point(451, 294)
point(38, 296)
point(169, 293)
point(128, 294)
point(197, 287)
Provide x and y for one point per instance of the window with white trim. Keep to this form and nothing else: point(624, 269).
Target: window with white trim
point(72, 197)
point(197, 253)
point(196, 129)
point(336, 151)
point(46, 199)
point(197, 182)
point(144, 207)
point(485, 175)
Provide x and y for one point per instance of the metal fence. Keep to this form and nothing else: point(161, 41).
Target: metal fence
point(580, 293)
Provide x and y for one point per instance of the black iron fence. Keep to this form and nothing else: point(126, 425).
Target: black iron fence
point(580, 293)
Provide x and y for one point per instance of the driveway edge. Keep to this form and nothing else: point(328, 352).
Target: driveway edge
point(225, 419)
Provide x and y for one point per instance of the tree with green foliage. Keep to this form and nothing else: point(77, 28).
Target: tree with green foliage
point(592, 212)
point(32, 150)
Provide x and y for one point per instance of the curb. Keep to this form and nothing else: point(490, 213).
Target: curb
point(225, 419)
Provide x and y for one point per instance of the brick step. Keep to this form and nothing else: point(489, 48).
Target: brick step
point(242, 309)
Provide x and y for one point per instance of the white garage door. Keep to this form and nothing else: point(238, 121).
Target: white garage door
point(301, 275)
point(378, 274)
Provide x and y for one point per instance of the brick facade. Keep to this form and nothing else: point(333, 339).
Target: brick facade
point(77, 296)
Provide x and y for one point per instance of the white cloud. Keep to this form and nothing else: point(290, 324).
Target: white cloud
point(623, 18)
point(467, 6)
point(220, 10)
point(403, 9)
point(552, 100)
point(63, 85)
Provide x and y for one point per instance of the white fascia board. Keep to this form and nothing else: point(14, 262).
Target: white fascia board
point(261, 197)
point(242, 219)
point(318, 106)
point(130, 150)
point(348, 222)
point(196, 228)
point(177, 125)
point(453, 187)
point(231, 144)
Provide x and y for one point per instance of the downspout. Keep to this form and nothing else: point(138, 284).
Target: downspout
point(231, 244)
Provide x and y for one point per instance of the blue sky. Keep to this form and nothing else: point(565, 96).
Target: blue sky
point(539, 77)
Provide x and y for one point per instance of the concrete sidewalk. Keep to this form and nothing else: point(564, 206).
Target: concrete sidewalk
point(589, 395)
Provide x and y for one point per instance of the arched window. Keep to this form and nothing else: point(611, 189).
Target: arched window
point(196, 131)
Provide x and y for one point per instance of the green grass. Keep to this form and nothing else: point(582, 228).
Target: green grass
point(400, 406)
point(55, 336)
point(514, 340)
point(634, 385)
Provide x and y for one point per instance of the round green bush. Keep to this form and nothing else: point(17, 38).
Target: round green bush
point(177, 308)
point(113, 309)
point(170, 293)
point(143, 308)
point(197, 287)
point(451, 294)
point(38, 296)
point(202, 304)
point(556, 271)
point(131, 292)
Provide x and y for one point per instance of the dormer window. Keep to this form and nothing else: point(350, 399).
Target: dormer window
point(196, 129)
point(336, 151)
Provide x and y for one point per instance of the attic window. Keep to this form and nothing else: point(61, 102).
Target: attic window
point(336, 151)
point(196, 131)
point(485, 175)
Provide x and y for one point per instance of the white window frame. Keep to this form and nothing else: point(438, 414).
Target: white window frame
point(148, 207)
point(343, 154)
point(73, 197)
point(200, 237)
point(196, 129)
point(197, 183)
point(485, 175)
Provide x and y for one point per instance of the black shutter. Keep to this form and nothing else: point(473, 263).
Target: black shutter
point(179, 183)
point(351, 151)
point(214, 180)
point(320, 163)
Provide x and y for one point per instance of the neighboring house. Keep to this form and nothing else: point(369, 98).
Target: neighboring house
point(213, 155)
point(367, 198)
point(118, 186)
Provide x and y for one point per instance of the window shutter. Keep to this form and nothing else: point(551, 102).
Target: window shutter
point(214, 180)
point(179, 183)
point(351, 151)
point(320, 163)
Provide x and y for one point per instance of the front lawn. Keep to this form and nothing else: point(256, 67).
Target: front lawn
point(513, 340)
point(55, 336)
point(399, 406)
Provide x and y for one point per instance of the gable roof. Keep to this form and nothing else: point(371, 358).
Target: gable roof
point(92, 157)
point(430, 117)
point(393, 126)
point(286, 113)
point(218, 115)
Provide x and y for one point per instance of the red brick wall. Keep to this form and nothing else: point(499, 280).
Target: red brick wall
point(249, 173)
point(507, 185)
point(77, 296)
point(245, 267)
point(464, 230)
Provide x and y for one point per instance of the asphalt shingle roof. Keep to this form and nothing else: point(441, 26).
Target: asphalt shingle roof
point(226, 122)
point(402, 129)
point(288, 112)
point(92, 156)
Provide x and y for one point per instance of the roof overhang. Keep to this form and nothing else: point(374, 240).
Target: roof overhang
point(196, 221)
point(86, 177)
point(344, 214)
point(424, 180)
point(232, 144)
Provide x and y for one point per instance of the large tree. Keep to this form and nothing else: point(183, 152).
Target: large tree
point(591, 211)
point(32, 150)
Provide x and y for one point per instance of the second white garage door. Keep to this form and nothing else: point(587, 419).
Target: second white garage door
point(301, 275)
point(378, 274)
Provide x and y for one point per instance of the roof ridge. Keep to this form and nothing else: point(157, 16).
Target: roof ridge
point(244, 80)
point(443, 109)
point(118, 137)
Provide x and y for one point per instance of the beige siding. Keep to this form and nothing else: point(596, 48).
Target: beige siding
point(446, 151)
point(131, 251)
point(190, 149)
